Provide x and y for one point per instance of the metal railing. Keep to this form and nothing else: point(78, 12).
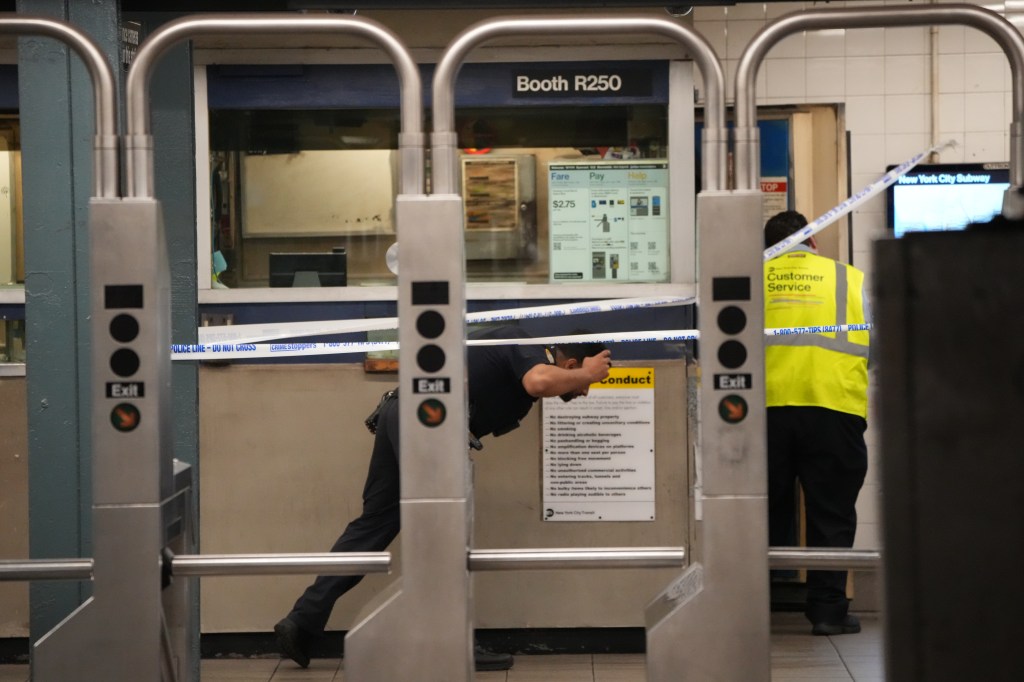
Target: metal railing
point(360, 563)
point(105, 142)
point(443, 138)
point(138, 140)
point(1008, 38)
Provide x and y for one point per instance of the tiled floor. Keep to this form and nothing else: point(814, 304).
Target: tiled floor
point(796, 657)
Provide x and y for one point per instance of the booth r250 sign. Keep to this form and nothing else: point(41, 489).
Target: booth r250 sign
point(634, 82)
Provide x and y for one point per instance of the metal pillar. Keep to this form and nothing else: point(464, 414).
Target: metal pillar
point(429, 619)
point(137, 492)
point(996, 27)
point(134, 514)
point(139, 141)
point(741, 491)
point(951, 440)
point(139, 619)
point(663, 624)
point(712, 623)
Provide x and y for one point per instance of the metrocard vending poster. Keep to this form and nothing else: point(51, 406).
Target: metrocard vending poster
point(598, 451)
point(608, 221)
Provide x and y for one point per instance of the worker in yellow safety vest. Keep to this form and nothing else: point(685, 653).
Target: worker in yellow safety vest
point(817, 399)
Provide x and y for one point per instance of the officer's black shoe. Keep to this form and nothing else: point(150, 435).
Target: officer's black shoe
point(293, 641)
point(847, 626)
point(489, 660)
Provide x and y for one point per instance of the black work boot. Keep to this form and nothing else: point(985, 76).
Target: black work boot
point(293, 641)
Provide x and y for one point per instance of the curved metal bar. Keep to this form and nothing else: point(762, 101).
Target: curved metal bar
point(828, 559)
point(105, 161)
point(46, 569)
point(323, 563)
point(995, 26)
point(443, 142)
point(546, 559)
point(138, 138)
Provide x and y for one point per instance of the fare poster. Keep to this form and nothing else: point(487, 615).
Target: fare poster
point(608, 221)
point(598, 451)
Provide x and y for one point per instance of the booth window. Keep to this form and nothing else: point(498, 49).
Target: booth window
point(12, 236)
point(294, 181)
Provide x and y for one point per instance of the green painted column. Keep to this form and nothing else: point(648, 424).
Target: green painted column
point(57, 126)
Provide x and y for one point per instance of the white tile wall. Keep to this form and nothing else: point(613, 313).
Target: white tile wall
point(985, 146)
point(951, 112)
point(869, 110)
point(742, 12)
point(883, 79)
point(983, 112)
point(976, 41)
point(867, 153)
point(865, 75)
point(830, 43)
point(739, 35)
point(951, 72)
point(910, 40)
point(951, 39)
point(785, 78)
point(906, 75)
point(985, 72)
point(826, 77)
point(865, 41)
point(906, 114)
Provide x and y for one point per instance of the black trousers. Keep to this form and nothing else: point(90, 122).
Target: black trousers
point(373, 531)
point(825, 451)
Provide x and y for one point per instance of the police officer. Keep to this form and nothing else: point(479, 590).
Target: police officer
point(817, 400)
point(504, 383)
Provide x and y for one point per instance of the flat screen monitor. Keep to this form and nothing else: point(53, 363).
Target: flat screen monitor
point(309, 269)
point(946, 196)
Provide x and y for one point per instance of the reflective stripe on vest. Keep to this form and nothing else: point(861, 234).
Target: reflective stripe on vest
point(822, 370)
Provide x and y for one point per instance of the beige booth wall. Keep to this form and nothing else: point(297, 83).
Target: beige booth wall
point(283, 457)
point(14, 614)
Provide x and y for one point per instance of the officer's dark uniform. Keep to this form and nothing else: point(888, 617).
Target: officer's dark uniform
point(497, 402)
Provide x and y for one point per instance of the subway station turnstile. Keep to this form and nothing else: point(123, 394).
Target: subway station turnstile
point(711, 623)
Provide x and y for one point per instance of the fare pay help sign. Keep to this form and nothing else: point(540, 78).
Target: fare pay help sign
point(598, 451)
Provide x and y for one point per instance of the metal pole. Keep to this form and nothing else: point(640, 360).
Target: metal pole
point(105, 167)
point(139, 142)
point(995, 26)
point(325, 563)
point(827, 559)
point(546, 559)
point(443, 139)
point(46, 569)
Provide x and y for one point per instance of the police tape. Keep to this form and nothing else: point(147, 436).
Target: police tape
point(242, 334)
point(821, 329)
point(253, 351)
point(834, 214)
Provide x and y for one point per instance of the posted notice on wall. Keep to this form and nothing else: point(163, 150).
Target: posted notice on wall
point(608, 221)
point(598, 451)
point(774, 197)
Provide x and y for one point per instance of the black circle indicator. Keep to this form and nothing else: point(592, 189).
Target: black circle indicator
point(732, 409)
point(125, 417)
point(732, 354)
point(124, 362)
point(430, 324)
point(124, 328)
point(431, 412)
point(430, 358)
point(732, 319)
